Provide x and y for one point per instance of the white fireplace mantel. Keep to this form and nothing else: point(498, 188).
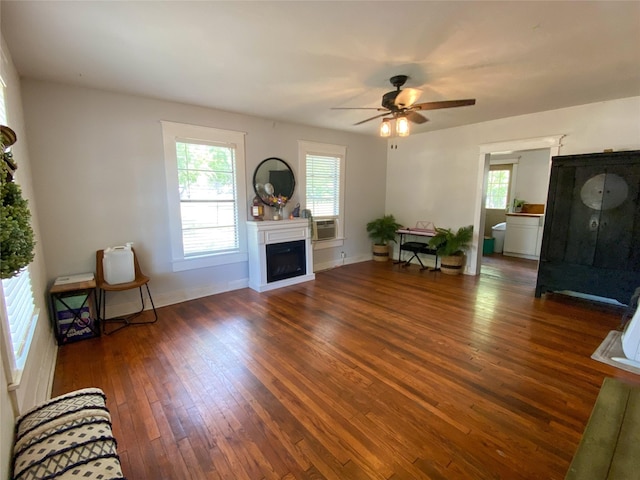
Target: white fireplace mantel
point(267, 232)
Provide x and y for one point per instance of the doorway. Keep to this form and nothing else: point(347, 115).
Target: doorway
point(513, 148)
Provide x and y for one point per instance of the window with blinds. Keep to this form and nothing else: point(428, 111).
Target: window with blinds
point(205, 174)
point(21, 315)
point(322, 169)
point(208, 197)
point(323, 185)
point(18, 309)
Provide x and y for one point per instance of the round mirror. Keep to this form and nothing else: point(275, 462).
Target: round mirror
point(273, 178)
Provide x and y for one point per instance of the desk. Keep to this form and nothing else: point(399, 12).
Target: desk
point(416, 248)
point(74, 315)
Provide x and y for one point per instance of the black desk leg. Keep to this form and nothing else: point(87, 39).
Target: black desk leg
point(400, 250)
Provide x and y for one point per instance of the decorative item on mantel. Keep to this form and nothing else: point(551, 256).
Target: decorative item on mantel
point(278, 204)
point(257, 210)
point(295, 213)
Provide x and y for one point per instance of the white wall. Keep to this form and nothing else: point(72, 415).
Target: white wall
point(433, 176)
point(98, 171)
point(532, 178)
point(35, 385)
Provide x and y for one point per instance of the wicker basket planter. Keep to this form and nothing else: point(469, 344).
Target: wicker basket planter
point(380, 252)
point(453, 264)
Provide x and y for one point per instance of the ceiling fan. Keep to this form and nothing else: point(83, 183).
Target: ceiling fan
point(401, 103)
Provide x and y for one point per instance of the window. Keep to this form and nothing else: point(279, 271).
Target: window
point(322, 168)
point(323, 185)
point(18, 312)
point(205, 191)
point(498, 188)
point(21, 315)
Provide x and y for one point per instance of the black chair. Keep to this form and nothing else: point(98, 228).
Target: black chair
point(416, 248)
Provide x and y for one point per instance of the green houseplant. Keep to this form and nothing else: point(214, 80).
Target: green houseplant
point(16, 235)
point(451, 247)
point(518, 204)
point(382, 230)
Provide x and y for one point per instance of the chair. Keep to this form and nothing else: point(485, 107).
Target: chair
point(138, 282)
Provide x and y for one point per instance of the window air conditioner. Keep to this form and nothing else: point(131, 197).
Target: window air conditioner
point(324, 229)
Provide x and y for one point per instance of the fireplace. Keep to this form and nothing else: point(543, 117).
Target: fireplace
point(280, 253)
point(285, 260)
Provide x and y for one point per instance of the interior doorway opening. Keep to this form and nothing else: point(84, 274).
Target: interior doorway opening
point(501, 150)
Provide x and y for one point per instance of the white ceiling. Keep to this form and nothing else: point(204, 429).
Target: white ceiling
point(293, 61)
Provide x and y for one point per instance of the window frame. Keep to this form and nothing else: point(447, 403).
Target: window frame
point(500, 168)
point(173, 132)
point(329, 150)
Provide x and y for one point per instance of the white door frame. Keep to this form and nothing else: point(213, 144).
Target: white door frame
point(551, 142)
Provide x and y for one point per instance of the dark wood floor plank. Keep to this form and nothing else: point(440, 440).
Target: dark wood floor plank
point(372, 371)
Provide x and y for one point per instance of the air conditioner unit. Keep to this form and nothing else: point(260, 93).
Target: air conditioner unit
point(324, 229)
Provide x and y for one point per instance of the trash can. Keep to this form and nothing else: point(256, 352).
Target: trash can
point(497, 232)
point(488, 245)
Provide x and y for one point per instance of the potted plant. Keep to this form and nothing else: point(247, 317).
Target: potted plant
point(518, 204)
point(382, 231)
point(16, 235)
point(450, 247)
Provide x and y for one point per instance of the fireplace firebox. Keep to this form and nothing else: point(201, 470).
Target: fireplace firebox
point(285, 260)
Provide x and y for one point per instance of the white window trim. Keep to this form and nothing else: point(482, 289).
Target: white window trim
point(172, 131)
point(315, 148)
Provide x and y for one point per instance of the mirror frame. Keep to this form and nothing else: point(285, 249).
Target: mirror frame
point(261, 195)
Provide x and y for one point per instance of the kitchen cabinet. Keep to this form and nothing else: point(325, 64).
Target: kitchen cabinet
point(591, 240)
point(523, 235)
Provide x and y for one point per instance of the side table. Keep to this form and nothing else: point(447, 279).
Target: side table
point(73, 305)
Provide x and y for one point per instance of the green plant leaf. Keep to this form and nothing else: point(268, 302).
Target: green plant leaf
point(383, 230)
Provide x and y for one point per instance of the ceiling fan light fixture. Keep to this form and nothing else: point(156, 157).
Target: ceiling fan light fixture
point(385, 128)
point(402, 126)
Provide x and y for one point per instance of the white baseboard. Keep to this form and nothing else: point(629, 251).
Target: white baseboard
point(178, 296)
point(318, 267)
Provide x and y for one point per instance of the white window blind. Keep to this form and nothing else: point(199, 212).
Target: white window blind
point(208, 197)
point(21, 314)
point(323, 185)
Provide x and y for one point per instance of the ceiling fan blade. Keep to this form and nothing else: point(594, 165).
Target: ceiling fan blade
point(373, 118)
point(358, 108)
point(407, 97)
point(415, 117)
point(443, 104)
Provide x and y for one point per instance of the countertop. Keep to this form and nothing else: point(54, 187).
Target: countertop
point(525, 214)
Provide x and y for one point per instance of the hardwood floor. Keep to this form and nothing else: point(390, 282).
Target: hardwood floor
point(372, 371)
point(512, 269)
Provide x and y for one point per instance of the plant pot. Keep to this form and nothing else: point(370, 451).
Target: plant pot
point(380, 252)
point(453, 264)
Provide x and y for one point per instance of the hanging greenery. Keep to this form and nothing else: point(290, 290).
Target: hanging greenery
point(16, 235)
